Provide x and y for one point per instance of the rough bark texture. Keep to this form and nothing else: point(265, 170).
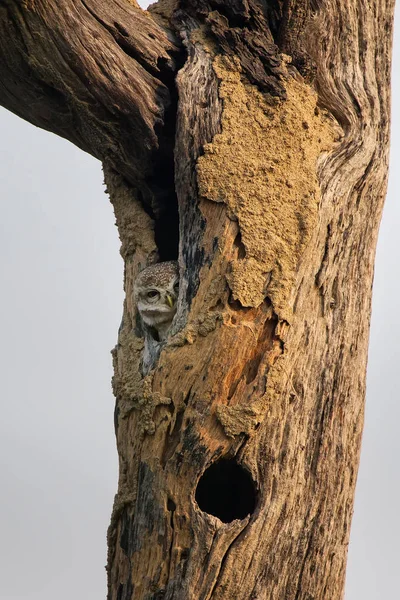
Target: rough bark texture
point(98, 73)
point(281, 153)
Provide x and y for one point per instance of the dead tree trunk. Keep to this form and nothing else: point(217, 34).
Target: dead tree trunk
point(265, 127)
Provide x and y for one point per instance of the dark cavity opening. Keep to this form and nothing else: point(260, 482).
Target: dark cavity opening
point(165, 202)
point(227, 491)
point(166, 230)
point(162, 182)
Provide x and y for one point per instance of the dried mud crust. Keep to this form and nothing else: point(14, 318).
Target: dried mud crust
point(263, 166)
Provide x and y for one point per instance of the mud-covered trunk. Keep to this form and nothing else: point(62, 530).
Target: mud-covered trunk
point(262, 168)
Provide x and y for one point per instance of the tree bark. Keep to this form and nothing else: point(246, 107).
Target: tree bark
point(238, 437)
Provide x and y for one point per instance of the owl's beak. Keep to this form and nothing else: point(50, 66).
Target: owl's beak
point(169, 300)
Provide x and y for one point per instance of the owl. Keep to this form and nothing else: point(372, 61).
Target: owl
point(156, 292)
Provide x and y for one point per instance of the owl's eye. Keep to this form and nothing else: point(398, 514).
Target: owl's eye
point(153, 294)
point(176, 287)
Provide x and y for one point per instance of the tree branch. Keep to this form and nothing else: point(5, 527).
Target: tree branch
point(95, 72)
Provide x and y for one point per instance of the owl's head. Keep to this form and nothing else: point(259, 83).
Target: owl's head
point(156, 291)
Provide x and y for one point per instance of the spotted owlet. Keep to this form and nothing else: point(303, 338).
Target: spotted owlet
point(156, 292)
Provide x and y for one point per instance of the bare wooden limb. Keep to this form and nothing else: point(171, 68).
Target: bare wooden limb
point(94, 72)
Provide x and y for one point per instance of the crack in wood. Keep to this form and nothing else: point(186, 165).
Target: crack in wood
point(300, 590)
point(223, 560)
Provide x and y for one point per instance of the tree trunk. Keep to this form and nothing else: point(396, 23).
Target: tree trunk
point(239, 436)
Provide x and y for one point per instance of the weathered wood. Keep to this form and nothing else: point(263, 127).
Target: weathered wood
point(281, 153)
point(95, 72)
point(267, 364)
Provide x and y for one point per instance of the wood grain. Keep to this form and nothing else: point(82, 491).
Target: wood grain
point(278, 123)
point(94, 72)
point(279, 388)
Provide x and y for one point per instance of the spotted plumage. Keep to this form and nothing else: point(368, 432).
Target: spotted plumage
point(155, 292)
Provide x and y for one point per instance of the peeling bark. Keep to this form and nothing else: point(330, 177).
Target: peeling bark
point(280, 142)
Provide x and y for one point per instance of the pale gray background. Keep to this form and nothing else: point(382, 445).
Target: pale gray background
point(61, 303)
